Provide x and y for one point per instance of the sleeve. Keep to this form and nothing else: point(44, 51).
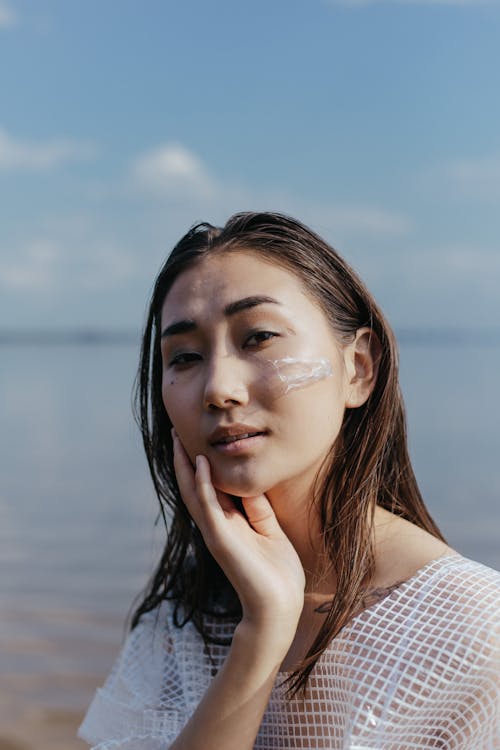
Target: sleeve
point(142, 705)
point(477, 720)
point(462, 709)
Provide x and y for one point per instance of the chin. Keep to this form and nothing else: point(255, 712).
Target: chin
point(240, 486)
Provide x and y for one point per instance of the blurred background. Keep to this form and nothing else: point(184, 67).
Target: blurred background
point(121, 124)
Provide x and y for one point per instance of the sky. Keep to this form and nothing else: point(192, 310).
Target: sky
point(124, 122)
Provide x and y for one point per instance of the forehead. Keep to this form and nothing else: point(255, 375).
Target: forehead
point(222, 278)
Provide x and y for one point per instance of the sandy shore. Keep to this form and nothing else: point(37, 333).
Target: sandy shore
point(29, 726)
point(32, 728)
point(51, 662)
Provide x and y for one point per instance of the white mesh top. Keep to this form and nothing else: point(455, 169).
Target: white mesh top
point(419, 669)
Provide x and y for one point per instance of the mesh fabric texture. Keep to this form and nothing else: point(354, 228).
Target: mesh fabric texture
point(419, 669)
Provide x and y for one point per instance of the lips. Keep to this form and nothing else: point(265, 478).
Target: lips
point(234, 438)
point(232, 433)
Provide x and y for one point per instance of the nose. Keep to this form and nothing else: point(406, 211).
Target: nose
point(225, 384)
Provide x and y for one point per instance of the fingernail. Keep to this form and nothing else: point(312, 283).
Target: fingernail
point(197, 462)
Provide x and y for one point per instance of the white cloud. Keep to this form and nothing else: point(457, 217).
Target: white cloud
point(71, 258)
point(16, 154)
point(107, 266)
point(464, 178)
point(435, 285)
point(459, 263)
point(172, 168)
point(8, 17)
point(31, 268)
point(478, 177)
point(447, 270)
point(357, 220)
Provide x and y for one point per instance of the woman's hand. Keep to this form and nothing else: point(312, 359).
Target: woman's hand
point(256, 556)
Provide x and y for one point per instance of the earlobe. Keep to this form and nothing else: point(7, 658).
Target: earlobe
point(362, 360)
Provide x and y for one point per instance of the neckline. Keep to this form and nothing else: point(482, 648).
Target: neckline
point(392, 596)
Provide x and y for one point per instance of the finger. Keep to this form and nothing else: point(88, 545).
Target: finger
point(204, 487)
point(227, 502)
point(260, 515)
point(217, 506)
point(203, 477)
point(196, 487)
point(205, 505)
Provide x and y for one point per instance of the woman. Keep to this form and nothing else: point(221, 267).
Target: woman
point(305, 597)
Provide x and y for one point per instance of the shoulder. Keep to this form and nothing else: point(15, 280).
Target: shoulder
point(454, 579)
point(402, 549)
point(443, 622)
point(453, 582)
point(147, 686)
point(453, 603)
point(447, 612)
point(148, 650)
point(166, 646)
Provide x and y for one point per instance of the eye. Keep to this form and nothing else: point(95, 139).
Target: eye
point(183, 360)
point(260, 337)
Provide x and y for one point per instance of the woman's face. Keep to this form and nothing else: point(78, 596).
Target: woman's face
point(245, 350)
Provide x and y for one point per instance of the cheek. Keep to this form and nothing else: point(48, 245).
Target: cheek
point(167, 392)
point(314, 417)
point(174, 402)
point(180, 405)
point(176, 389)
point(275, 378)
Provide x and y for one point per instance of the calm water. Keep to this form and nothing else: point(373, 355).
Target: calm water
point(77, 512)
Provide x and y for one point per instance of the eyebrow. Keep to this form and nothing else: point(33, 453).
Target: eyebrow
point(184, 326)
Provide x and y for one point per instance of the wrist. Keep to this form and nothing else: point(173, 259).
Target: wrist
point(264, 640)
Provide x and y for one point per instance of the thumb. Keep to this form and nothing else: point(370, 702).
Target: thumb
point(260, 515)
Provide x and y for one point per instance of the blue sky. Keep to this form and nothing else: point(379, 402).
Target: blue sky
point(124, 122)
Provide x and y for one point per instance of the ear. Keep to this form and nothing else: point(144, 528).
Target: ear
point(361, 357)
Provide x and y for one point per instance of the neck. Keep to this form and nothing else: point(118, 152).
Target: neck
point(298, 516)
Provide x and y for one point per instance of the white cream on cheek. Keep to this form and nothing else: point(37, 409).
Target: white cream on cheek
point(296, 372)
point(274, 378)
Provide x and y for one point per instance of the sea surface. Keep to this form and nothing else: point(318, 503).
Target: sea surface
point(77, 512)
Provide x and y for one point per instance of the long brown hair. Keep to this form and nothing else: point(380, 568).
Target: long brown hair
point(370, 464)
